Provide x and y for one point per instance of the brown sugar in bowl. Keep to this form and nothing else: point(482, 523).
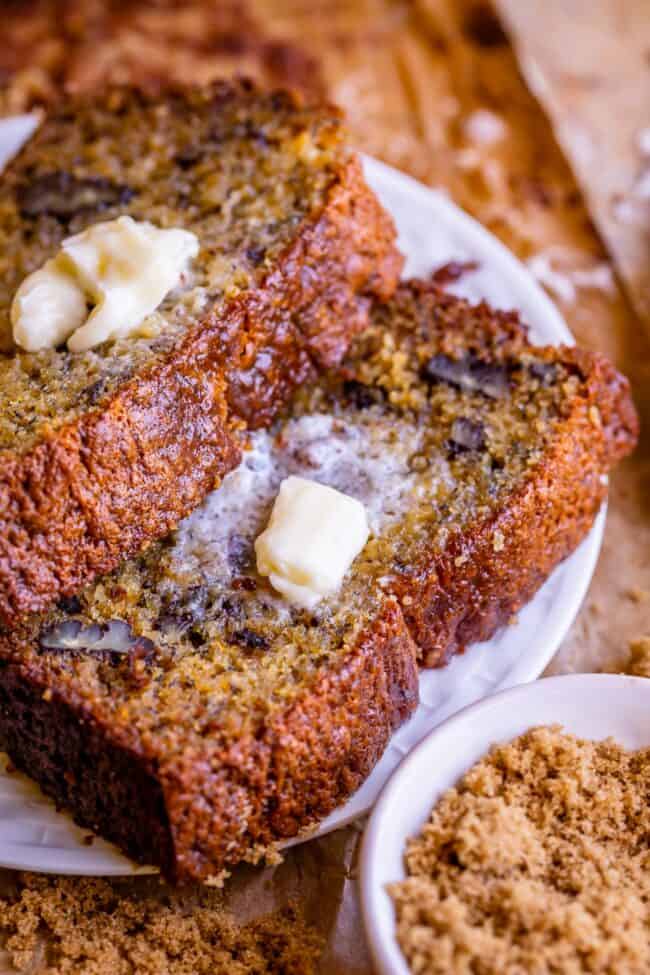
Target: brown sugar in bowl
point(547, 818)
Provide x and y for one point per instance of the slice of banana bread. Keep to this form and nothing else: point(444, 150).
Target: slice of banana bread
point(183, 709)
point(105, 449)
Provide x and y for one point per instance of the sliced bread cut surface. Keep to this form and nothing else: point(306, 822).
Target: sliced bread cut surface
point(105, 449)
point(185, 710)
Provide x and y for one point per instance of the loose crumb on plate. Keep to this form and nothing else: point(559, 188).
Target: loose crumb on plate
point(61, 926)
point(538, 861)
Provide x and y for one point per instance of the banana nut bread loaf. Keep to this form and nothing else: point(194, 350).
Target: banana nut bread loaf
point(183, 709)
point(104, 449)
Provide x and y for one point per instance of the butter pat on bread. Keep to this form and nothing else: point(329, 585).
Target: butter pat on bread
point(124, 267)
point(314, 535)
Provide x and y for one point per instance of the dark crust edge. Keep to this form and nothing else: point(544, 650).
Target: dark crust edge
point(99, 488)
point(77, 763)
point(205, 810)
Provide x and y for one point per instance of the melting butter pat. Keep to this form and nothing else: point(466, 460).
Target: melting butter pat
point(313, 536)
point(122, 268)
point(47, 307)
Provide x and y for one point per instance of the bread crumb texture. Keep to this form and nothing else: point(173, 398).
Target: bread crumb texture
point(536, 862)
point(53, 926)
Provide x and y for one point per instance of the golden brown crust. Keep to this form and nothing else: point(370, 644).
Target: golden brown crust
point(106, 484)
point(208, 807)
point(311, 756)
point(126, 473)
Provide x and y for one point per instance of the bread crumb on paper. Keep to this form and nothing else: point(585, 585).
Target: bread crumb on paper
point(638, 664)
point(537, 861)
point(638, 595)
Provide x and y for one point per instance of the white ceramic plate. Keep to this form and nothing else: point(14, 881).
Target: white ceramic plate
point(432, 231)
point(592, 706)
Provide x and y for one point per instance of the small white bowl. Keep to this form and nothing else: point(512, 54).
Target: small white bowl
point(593, 706)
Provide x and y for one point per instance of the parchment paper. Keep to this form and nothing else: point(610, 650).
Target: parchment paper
point(599, 102)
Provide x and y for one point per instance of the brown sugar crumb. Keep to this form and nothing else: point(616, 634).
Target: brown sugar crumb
point(63, 925)
point(638, 595)
point(638, 664)
point(536, 862)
